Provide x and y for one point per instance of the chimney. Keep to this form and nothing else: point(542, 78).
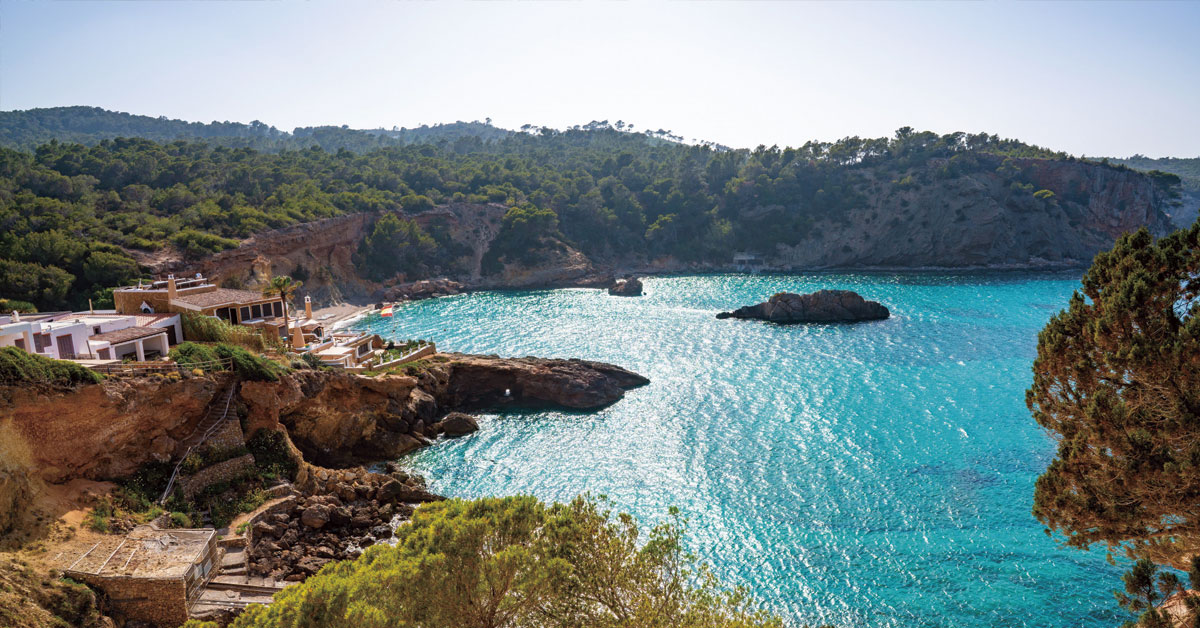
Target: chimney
point(308, 307)
point(16, 317)
point(297, 336)
point(170, 288)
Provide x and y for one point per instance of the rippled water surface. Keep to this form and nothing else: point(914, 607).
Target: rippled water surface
point(878, 474)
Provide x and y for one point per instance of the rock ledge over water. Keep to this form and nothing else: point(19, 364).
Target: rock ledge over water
point(822, 306)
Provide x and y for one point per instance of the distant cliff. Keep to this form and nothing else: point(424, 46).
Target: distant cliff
point(985, 218)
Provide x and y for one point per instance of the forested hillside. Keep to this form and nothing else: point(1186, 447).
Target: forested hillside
point(75, 217)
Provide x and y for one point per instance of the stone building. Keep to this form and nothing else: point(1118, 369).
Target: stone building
point(245, 307)
point(150, 574)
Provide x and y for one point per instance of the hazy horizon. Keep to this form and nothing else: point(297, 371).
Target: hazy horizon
point(1109, 79)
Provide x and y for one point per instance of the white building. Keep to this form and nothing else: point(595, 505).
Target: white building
point(91, 335)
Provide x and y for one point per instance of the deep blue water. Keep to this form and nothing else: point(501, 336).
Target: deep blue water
point(878, 474)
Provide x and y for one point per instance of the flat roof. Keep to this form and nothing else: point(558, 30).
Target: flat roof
point(145, 553)
point(128, 334)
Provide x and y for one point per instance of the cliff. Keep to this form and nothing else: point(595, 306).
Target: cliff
point(109, 430)
point(984, 218)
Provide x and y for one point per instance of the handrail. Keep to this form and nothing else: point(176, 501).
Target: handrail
point(208, 433)
point(142, 368)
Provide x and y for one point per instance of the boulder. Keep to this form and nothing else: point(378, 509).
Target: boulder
point(315, 516)
point(457, 424)
point(823, 306)
point(630, 287)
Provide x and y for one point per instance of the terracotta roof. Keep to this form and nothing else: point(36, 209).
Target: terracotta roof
point(222, 296)
point(129, 333)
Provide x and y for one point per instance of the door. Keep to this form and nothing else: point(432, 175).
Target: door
point(66, 348)
point(105, 354)
point(171, 336)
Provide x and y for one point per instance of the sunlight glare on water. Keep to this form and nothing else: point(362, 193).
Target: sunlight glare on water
point(878, 474)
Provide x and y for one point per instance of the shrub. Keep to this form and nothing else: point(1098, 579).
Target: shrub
point(24, 307)
point(532, 564)
point(189, 353)
point(201, 328)
point(250, 366)
point(271, 453)
point(1043, 194)
point(195, 244)
point(19, 367)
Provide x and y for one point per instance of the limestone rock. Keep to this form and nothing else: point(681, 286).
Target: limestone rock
point(630, 287)
point(822, 306)
point(315, 516)
point(458, 424)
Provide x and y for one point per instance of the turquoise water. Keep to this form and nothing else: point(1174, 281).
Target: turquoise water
point(878, 474)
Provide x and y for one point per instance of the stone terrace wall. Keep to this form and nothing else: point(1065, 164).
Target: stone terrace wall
point(228, 437)
point(221, 472)
point(162, 602)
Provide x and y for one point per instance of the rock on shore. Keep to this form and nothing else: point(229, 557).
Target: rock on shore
point(476, 381)
point(823, 306)
point(630, 287)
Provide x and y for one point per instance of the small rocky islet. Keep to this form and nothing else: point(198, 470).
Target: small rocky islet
point(822, 306)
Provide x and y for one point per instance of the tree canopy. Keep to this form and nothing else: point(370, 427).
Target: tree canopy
point(1117, 381)
point(515, 562)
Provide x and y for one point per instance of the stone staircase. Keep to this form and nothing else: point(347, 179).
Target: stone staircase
point(214, 417)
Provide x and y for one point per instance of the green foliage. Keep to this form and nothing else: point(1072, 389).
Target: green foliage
point(1043, 194)
point(201, 328)
point(193, 353)
point(272, 455)
point(18, 367)
point(395, 245)
point(247, 365)
point(604, 189)
point(1118, 378)
point(8, 305)
point(515, 562)
point(196, 244)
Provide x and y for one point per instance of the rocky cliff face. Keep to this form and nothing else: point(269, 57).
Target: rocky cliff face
point(109, 430)
point(105, 430)
point(981, 220)
point(339, 419)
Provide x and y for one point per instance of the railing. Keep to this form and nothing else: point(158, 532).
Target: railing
point(145, 368)
point(421, 348)
point(212, 429)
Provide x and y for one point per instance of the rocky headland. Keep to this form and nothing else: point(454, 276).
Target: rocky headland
point(822, 306)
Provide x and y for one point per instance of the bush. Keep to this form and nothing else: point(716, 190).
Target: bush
point(24, 307)
point(201, 328)
point(249, 366)
point(19, 367)
point(196, 244)
point(190, 353)
point(271, 453)
point(540, 565)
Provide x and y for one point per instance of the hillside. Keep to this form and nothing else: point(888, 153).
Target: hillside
point(594, 199)
point(1188, 170)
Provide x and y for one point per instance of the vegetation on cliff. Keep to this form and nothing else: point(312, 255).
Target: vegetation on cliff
point(73, 214)
point(1117, 380)
point(20, 367)
point(30, 600)
point(514, 561)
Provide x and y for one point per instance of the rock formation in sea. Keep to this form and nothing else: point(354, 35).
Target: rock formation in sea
point(629, 287)
point(822, 306)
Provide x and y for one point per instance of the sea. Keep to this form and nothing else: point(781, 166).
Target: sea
point(863, 475)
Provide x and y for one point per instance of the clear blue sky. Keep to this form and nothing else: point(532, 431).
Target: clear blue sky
point(1106, 78)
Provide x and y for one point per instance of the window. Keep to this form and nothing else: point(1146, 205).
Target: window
point(257, 311)
point(40, 342)
point(244, 314)
point(278, 308)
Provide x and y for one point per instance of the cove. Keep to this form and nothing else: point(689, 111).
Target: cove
point(875, 474)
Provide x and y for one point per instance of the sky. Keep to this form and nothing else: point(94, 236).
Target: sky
point(1097, 79)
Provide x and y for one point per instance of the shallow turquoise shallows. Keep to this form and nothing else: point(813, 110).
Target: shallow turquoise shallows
point(878, 474)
